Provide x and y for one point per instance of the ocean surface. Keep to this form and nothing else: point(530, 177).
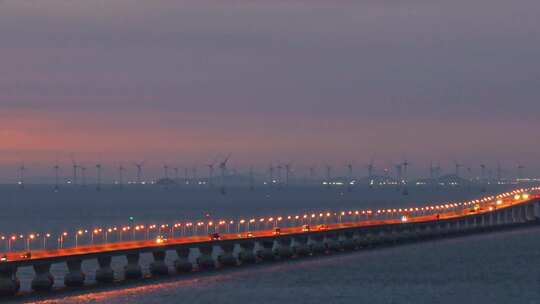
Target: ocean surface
point(502, 267)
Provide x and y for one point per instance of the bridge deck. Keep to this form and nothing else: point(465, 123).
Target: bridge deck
point(120, 248)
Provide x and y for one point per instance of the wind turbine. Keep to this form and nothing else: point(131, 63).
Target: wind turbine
point(399, 175)
point(211, 168)
point(121, 175)
point(483, 177)
point(56, 177)
point(328, 175)
point(311, 179)
point(98, 184)
point(271, 173)
point(21, 170)
point(279, 168)
point(176, 176)
point(499, 172)
point(223, 167)
point(350, 176)
point(251, 179)
point(371, 170)
point(458, 167)
point(139, 167)
point(75, 167)
point(406, 165)
point(166, 171)
point(520, 169)
point(83, 176)
point(287, 173)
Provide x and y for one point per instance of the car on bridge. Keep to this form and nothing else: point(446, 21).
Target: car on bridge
point(26, 255)
point(306, 228)
point(215, 236)
point(3, 259)
point(322, 227)
point(160, 239)
point(277, 231)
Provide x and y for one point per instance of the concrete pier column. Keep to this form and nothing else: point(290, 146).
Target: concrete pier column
point(182, 264)
point(9, 284)
point(75, 276)
point(348, 241)
point(315, 244)
point(523, 213)
point(205, 260)
point(266, 252)
point(300, 246)
point(283, 248)
point(515, 215)
point(508, 216)
point(246, 254)
point(331, 241)
point(536, 207)
point(158, 267)
point(492, 219)
point(43, 279)
point(104, 274)
point(133, 271)
point(227, 258)
point(498, 216)
point(530, 212)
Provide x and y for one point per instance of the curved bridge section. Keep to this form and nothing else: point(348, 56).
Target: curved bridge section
point(520, 207)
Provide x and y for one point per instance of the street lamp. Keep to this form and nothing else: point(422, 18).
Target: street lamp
point(45, 237)
point(240, 222)
point(29, 240)
point(77, 235)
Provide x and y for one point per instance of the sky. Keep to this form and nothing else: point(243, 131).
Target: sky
point(308, 82)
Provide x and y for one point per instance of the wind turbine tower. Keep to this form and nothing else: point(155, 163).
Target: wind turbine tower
point(251, 179)
point(83, 176)
point(406, 165)
point(21, 170)
point(98, 184)
point(223, 167)
point(483, 177)
point(350, 176)
point(121, 176)
point(139, 167)
point(328, 175)
point(75, 169)
point(287, 173)
point(56, 178)
point(211, 168)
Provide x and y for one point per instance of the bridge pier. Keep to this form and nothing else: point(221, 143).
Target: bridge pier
point(530, 212)
point(133, 271)
point(226, 258)
point(299, 246)
point(316, 244)
point(283, 248)
point(523, 213)
point(43, 280)
point(158, 267)
point(9, 284)
point(246, 254)
point(348, 242)
point(266, 252)
point(331, 242)
point(205, 260)
point(182, 264)
point(104, 274)
point(75, 277)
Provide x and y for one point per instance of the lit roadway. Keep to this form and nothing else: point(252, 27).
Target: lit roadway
point(150, 245)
